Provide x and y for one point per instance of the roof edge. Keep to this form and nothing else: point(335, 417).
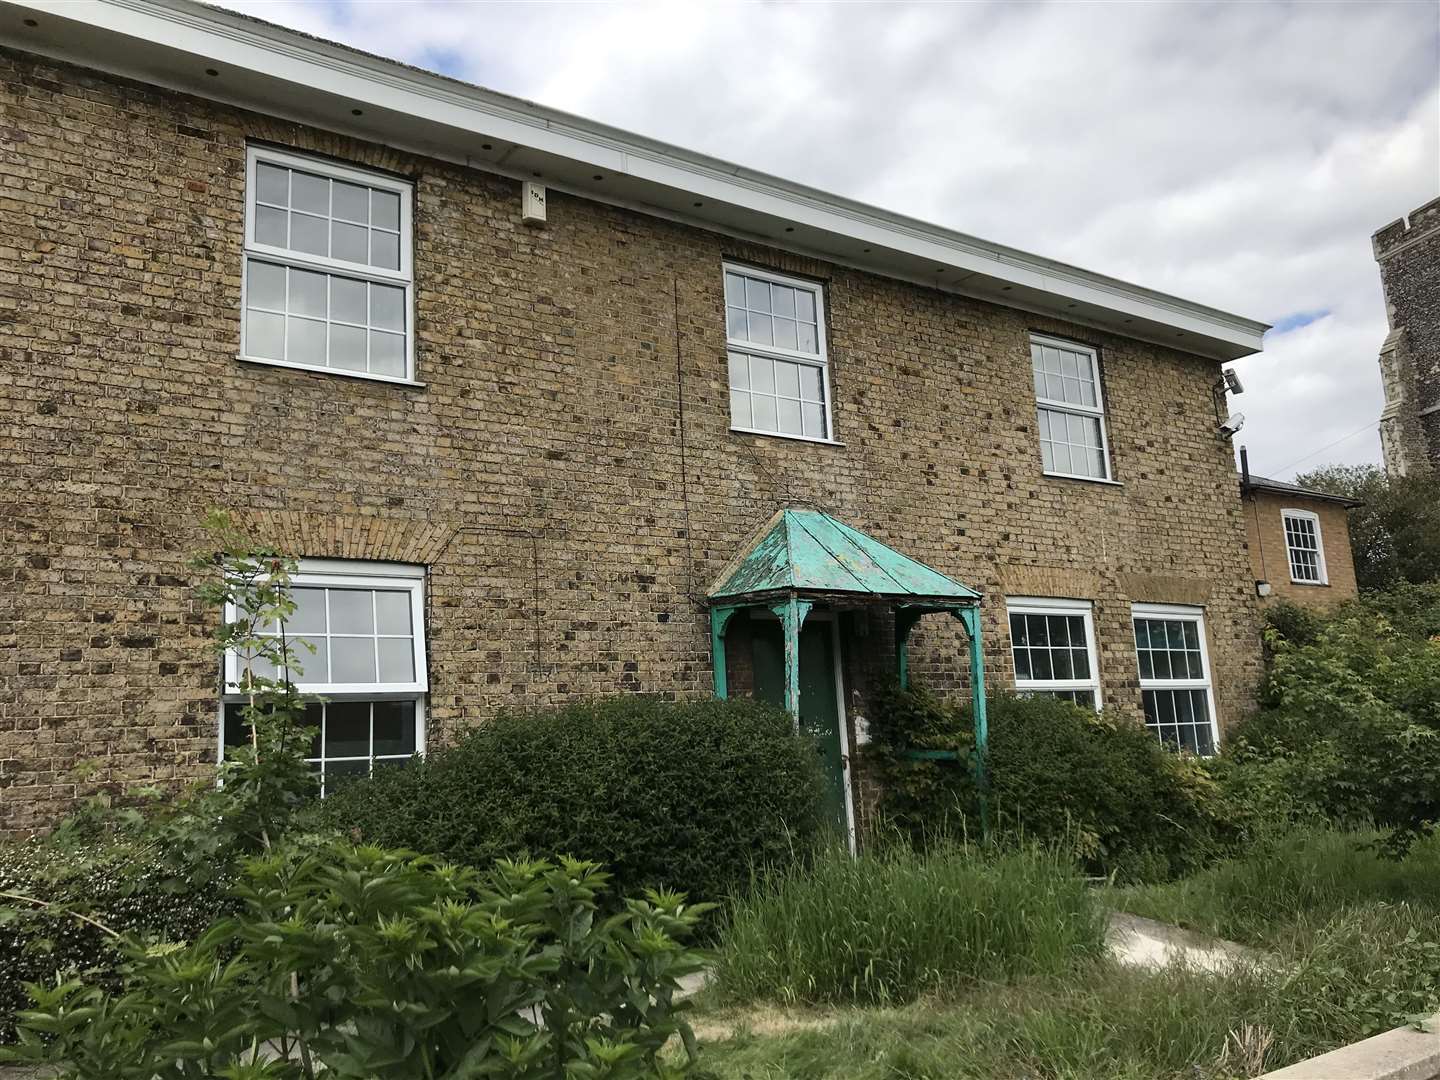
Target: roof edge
point(265, 49)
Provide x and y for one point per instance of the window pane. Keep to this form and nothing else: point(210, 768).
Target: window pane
point(309, 234)
point(735, 290)
point(352, 660)
point(762, 374)
point(788, 416)
point(385, 250)
point(813, 417)
point(783, 301)
point(1022, 664)
point(811, 385)
point(757, 295)
point(385, 209)
point(735, 323)
point(347, 729)
point(394, 727)
point(762, 330)
point(397, 660)
point(309, 614)
point(352, 202)
point(387, 307)
point(309, 193)
point(808, 342)
point(347, 347)
point(764, 412)
point(349, 242)
point(740, 415)
point(265, 335)
point(347, 300)
point(272, 184)
point(271, 226)
point(1019, 634)
point(805, 306)
point(387, 354)
point(785, 337)
point(305, 343)
point(314, 667)
point(1040, 667)
point(352, 611)
point(787, 379)
point(392, 610)
point(308, 293)
point(739, 371)
point(266, 287)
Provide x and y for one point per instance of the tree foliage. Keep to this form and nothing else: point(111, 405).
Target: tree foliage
point(1395, 535)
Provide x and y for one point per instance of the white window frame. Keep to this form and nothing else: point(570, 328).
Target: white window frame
point(343, 573)
point(1042, 605)
point(1097, 412)
point(1186, 613)
point(819, 359)
point(1305, 515)
point(404, 277)
point(340, 574)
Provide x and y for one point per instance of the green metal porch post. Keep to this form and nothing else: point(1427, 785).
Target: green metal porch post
point(719, 616)
point(792, 612)
point(970, 616)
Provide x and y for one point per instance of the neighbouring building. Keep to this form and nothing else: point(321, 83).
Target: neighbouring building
point(1299, 543)
point(1408, 252)
point(523, 391)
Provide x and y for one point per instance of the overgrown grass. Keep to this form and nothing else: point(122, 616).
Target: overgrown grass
point(1364, 971)
point(891, 925)
point(1306, 877)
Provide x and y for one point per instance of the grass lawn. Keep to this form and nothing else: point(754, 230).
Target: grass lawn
point(1356, 948)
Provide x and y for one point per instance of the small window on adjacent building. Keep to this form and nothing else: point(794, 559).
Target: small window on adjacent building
point(1302, 541)
point(367, 624)
point(1071, 409)
point(779, 377)
point(1175, 677)
point(1053, 644)
point(327, 267)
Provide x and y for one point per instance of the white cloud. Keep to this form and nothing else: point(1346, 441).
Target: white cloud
point(1236, 154)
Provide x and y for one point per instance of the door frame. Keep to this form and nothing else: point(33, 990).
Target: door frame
point(843, 717)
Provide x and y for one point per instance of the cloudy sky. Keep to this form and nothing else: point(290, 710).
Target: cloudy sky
point(1238, 154)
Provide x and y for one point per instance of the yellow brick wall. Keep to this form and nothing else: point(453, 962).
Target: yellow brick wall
point(539, 473)
point(1270, 559)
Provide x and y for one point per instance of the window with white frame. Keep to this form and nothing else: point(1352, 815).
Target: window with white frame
point(1070, 407)
point(1302, 542)
point(366, 622)
point(1053, 645)
point(779, 377)
point(328, 275)
point(1175, 676)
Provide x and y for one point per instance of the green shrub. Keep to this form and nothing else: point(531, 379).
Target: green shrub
point(890, 925)
point(1102, 786)
point(1295, 624)
point(362, 964)
point(120, 883)
point(686, 794)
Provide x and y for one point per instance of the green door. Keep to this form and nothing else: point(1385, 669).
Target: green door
point(819, 707)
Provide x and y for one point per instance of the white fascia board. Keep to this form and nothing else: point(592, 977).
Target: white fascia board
point(471, 113)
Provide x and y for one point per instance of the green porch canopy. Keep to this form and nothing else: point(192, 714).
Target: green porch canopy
point(804, 556)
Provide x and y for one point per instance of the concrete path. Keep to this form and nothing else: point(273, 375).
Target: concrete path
point(1138, 942)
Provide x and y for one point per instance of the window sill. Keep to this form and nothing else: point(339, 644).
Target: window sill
point(783, 435)
point(1311, 584)
point(362, 375)
point(1082, 479)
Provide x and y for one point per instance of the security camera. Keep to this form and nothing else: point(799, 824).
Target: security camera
point(1232, 381)
point(1233, 423)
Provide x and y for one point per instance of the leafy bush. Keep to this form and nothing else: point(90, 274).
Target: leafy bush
point(1395, 534)
point(119, 883)
point(1102, 786)
point(659, 792)
point(891, 925)
point(364, 964)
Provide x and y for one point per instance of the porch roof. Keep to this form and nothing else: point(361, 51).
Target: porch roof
point(808, 551)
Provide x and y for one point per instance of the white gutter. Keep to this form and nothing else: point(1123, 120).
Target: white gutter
point(283, 72)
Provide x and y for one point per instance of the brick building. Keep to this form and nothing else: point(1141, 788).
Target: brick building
point(243, 268)
point(1299, 542)
point(1408, 252)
